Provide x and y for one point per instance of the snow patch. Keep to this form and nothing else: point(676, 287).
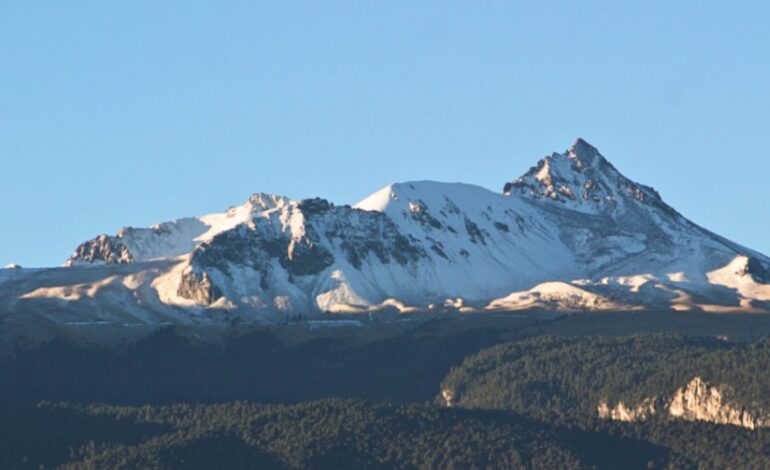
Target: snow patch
point(735, 276)
point(554, 296)
point(677, 277)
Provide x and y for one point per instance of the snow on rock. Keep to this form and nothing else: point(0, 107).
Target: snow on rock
point(743, 274)
point(341, 298)
point(555, 296)
point(634, 283)
point(169, 239)
point(677, 277)
point(581, 179)
point(11, 271)
point(571, 234)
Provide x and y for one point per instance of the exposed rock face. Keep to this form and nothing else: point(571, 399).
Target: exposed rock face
point(102, 249)
point(362, 233)
point(704, 402)
point(302, 238)
point(254, 246)
point(696, 401)
point(621, 412)
point(580, 177)
point(448, 397)
point(605, 215)
point(198, 287)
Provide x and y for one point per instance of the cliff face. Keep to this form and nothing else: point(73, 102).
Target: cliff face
point(701, 401)
point(696, 401)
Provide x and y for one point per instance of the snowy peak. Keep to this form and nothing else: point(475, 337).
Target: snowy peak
point(260, 202)
point(572, 233)
point(174, 238)
point(581, 179)
point(429, 197)
point(583, 149)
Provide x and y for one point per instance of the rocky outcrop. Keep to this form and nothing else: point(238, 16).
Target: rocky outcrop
point(199, 288)
point(622, 412)
point(581, 174)
point(300, 238)
point(703, 402)
point(696, 401)
point(448, 398)
point(102, 249)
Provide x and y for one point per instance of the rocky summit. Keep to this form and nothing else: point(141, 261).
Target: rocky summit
point(571, 234)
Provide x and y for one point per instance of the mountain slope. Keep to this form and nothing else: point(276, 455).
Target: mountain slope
point(571, 234)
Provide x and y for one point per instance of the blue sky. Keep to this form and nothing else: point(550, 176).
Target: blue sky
point(131, 113)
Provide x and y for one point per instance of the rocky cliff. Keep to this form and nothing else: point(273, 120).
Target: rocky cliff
point(696, 401)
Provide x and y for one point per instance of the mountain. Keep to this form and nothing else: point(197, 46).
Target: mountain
point(571, 234)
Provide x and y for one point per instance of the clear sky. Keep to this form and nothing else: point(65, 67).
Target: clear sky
point(131, 113)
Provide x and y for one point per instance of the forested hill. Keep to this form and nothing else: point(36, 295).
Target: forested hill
point(321, 435)
point(569, 377)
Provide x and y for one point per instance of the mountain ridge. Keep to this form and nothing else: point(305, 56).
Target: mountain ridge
point(570, 234)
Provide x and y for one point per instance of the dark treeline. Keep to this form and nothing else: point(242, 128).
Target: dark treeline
point(355, 434)
point(167, 367)
point(171, 402)
point(327, 434)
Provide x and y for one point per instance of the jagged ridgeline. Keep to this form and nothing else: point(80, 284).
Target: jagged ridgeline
point(627, 379)
point(262, 247)
point(571, 234)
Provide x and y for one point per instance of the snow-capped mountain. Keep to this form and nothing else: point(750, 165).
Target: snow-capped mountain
point(572, 233)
